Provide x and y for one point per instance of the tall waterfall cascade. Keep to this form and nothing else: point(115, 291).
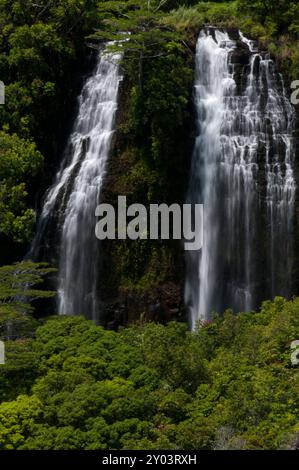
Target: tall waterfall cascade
point(242, 171)
point(72, 199)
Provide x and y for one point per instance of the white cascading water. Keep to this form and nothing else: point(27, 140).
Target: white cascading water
point(75, 193)
point(242, 172)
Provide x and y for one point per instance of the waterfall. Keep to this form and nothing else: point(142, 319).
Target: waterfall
point(70, 203)
point(242, 172)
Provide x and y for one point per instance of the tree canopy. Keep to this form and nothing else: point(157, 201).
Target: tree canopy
point(229, 385)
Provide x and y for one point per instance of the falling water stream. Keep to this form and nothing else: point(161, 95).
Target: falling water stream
point(242, 172)
point(76, 191)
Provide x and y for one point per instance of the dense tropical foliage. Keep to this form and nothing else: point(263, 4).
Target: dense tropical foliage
point(230, 385)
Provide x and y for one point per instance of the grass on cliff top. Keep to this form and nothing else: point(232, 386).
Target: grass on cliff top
point(269, 30)
point(204, 13)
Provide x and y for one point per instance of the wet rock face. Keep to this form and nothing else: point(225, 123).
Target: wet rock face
point(156, 301)
point(158, 304)
point(240, 59)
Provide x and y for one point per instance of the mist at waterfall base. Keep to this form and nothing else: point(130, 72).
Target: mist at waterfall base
point(242, 171)
point(69, 206)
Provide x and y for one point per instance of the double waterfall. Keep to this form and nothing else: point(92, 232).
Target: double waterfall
point(242, 172)
point(72, 200)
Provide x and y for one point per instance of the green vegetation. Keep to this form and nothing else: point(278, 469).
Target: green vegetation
point(17, 282)
point(18, 287)
point(153, 150)
point(229, 385)
point(19, 164)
